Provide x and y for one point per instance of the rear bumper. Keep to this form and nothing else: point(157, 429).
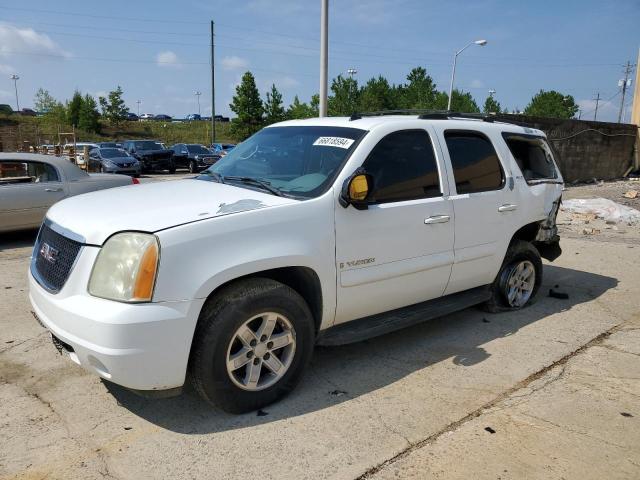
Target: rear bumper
point(139, 346)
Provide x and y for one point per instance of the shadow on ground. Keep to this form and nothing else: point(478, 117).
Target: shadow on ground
point(338, 374)
point(19, 239)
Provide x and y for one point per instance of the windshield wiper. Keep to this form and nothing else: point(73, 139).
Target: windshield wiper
point(256, 181)
point(216, 176)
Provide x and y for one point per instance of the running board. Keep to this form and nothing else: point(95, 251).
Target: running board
point(382, 323)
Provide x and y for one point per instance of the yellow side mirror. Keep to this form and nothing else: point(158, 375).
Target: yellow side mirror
point(358, 188)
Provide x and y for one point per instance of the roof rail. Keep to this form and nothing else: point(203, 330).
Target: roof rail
point(424, 114)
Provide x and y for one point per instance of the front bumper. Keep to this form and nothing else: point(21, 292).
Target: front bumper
point(139, 346)
point(123, 170)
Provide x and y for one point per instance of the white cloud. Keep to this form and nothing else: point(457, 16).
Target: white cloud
point(167, 59)
point(27, 40)
point(234, 63)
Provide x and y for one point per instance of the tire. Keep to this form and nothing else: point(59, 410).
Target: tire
point(247, 303)
point(520, 257)
point(172, 167)
point(193, 167)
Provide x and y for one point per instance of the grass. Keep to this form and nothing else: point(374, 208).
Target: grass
point(18, 130)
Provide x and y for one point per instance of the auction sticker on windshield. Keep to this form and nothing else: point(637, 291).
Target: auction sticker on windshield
point(334, 142)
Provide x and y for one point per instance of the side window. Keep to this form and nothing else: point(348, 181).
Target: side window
point(533, 156)
point(404, 167)
point(12, 172)
point(476, 167)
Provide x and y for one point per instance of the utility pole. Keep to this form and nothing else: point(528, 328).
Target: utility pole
point(198, 93)
point(595, 114)
point(213, 91)
point(324, 55)
point(15, 79)
point(626, 82)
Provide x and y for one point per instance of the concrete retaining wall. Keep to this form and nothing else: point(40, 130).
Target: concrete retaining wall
point(586, 150)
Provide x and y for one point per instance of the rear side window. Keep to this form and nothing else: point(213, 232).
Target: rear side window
point(533, 156)
point(476, 167)
point(26, 172)
point(403, 166)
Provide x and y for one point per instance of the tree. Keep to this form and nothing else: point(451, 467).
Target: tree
point(314, 104)
point(114, 108)
point(43, 101)
point(376, 95)
point(551, 104)
point(460, 102)
point(273, 107)
point(88, 117)
point(491, 105)
point(73, 108)
point(248, 107)
point(420, 92)
point(299, 110)
point(346, 97)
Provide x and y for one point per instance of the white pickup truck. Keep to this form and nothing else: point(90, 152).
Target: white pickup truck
point(318, 231)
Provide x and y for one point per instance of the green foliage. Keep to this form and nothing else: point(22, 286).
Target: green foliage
point(420, 92)
point(73, 108)
point(491, 105)
point(346, 97)
point(460, 102)
point(114, 108)
point(274, 108)
point(298, 110)
point(248, 107)
point(376, 95)
point(88, 118)
point(6, 109)
point(315, 105)
point(43, 101)
point(552, 104)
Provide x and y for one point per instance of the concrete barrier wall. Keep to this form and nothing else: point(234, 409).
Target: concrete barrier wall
point(586, 150)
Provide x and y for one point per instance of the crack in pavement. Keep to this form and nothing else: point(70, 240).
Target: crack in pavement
point(491, 404)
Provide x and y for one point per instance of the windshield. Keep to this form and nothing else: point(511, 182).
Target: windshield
point(108, 145)
point(113, 153)
point(299, 161)
point(149, 146)
point(197, 149)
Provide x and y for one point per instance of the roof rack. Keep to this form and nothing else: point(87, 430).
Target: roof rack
point(426, 114)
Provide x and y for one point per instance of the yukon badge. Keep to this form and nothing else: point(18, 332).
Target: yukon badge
point(49, 253)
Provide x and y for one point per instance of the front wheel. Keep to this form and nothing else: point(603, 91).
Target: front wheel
point(518, 280)
point(251, 345)
point(193, 167)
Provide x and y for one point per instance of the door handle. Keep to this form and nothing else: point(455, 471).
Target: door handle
point(52, 189)
point(437, 219)
point(507, 207)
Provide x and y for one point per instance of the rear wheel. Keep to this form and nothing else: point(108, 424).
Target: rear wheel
point(518, 280)
point(251, 345)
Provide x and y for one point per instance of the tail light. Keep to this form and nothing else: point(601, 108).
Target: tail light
point(135, 181)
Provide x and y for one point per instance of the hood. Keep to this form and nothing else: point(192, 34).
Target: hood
point(154, 206)
point(154, 153)
point(121, 160)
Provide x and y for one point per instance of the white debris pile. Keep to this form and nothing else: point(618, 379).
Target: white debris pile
point(607, 210)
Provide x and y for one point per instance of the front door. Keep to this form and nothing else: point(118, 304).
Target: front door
point(398, 251)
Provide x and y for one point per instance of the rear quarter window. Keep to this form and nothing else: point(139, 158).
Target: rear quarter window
point(533, 156)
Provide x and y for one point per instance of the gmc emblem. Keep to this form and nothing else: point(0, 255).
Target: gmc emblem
point(49, 253)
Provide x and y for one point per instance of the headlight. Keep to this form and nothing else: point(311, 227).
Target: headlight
point(126, 267)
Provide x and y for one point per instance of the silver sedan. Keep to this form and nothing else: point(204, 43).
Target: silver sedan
point(31, 183)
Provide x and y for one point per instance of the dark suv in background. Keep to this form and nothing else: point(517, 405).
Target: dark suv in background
point(193, 156)
point(151, 154)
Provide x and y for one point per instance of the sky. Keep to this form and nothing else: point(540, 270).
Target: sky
point(158, 51)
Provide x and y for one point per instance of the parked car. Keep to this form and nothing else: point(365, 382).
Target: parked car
point(147, 116)
point(162, 117)
point(193, 156)
point(113, 160)
point(78, 156)
point(318, 231)
point(151, 154)
point(132, 117)
point(28, 112)
point(108, 145)
point(193, 116)
point(30, 183)
point(5, 109)
point(222, 148)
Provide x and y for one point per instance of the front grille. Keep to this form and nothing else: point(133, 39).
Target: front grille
point(54, 256)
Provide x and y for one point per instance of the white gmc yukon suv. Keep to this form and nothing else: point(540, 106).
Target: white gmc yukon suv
point(319, 231)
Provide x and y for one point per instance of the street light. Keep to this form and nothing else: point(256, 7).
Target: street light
point(351, 72)
point(138, 102)
point(198, 93)
point(15, 79)
point(480, 43)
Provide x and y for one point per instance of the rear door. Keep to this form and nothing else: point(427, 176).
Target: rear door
point(482, 199)
point(27, 190)
point(399, 250)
